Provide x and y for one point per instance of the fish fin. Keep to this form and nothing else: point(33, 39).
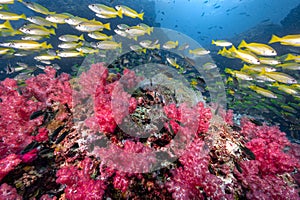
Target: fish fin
point(141, 16)
point(20, 1)
point(81, 37)
point(263, 71)
point(274, 39)
point(107, 26)
point(120, 13)
point(51, 13)
point(52, 31)
point(8, 25)
point(242, 44)
point(232, 49)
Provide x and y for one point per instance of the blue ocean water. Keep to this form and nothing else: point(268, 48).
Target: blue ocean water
point(219, 19)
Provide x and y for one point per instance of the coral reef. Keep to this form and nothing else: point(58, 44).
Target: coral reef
point(64, 138)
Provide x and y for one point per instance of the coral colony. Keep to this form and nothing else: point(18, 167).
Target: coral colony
point(49, 152)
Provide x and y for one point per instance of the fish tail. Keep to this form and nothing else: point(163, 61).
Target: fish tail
point(190, 51)
point(213, 42)
point(109, 37)
point(8, 25)
point(120, 13)
point(245, 67)
point(141, 16)
point(23, 16)
point(20, 1)
point(289, 57)
point(151, 29)
point(107, 26)
point(274, 39)
point(220, 52)
point(228, 71)
point(54, 25)
point(44, 45)
point(81, 53)
point(158, 46)
point(242, 44)
point(176, 43)
point(148, 31)
point(81, 37)
point(144, 50)
point(120, 45)
point(52, 13)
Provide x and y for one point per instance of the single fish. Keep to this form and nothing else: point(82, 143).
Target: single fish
point(170, 45)
point(99, 36)
point(172, 62)
point(280, 77)
point(11, 16)
point(74, 21)
point(92, 26)
point(27, 45)
point(258, 48)
point(293, 40)
point(129, 12)
point(58, 18)
point(41, 21)
point(245, 56)
point(105, 11)
point(269, 61)
point(70, 45)
point(199, 51)
point(36, 7)
point(46, 57)
point(221, 43)
point(71, 38)
point(108, 45)
point(263, 91)
point(70, 53)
